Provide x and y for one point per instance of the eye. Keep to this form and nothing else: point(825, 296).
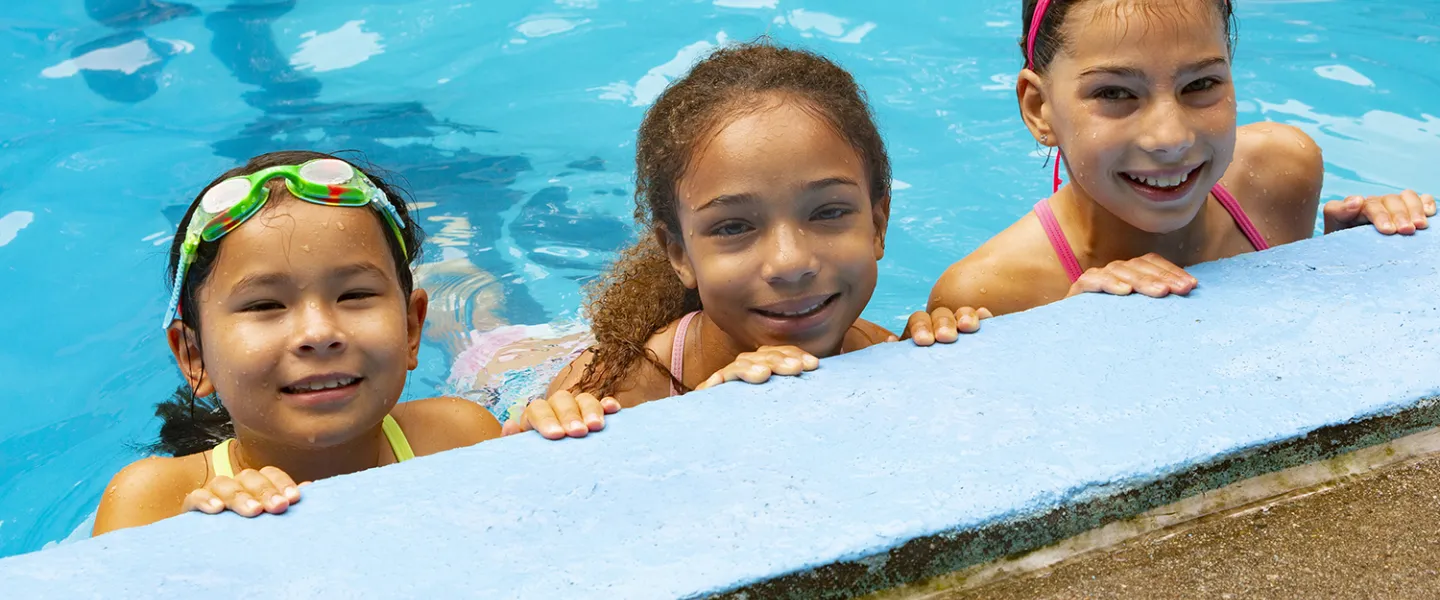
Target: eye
point(262, 306)
point(1200, 85)
point(1112, 93)
point(357, 295)
point(830, 213)
point(730, 228)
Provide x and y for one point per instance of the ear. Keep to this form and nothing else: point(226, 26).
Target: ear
point(880, 213)
point(1035, 108)
point(415, 312)
point(675, 251)
point(185, 346)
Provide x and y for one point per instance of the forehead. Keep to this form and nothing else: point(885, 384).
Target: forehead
point(1143, 32)
point(777, 144)
point(304, 239)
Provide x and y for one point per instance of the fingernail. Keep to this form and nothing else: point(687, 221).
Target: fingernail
point(277, 500)
point(216, 503)
point(252, 505)
point(291, 490)
point(791, 362)
point(577, 425)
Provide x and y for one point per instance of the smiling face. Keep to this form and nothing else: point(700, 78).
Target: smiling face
point(779, 233)
point(1141, 102)
point(306, 334)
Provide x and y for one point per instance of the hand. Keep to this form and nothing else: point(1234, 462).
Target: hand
point(1151, 275)
point(1403, 213)
point(563, 414)
point(248, 494)
point(758, 366)
point(943, 325)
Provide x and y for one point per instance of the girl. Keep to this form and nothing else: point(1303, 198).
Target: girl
point(1137, 96)
point(765, 188)
point(297, 331)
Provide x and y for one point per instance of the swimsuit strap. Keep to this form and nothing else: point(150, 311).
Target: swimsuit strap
point(220, 455)
point(1058, 241)
point(1233, 207)
point(677, 352)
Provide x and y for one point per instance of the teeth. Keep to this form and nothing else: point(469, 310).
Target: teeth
point(324, 385)
point(1168, 182)
point(802, 312)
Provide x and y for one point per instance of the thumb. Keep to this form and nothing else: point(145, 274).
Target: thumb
point(1345, 210)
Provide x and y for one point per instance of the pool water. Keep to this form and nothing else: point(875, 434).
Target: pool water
point(512, 124)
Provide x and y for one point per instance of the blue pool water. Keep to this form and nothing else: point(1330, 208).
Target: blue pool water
point(512, 124)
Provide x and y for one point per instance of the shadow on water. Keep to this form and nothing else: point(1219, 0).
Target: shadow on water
point(477, 185)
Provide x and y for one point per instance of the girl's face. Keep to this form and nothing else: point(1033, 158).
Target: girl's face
point(1141, 103)
point(779, 233)
point(306, 335)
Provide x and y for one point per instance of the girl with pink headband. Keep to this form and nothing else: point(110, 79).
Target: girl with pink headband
point(1137, 98)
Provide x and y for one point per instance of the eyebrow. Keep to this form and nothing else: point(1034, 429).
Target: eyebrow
point(249, 283)
point(725, 200)
point(1134, 73)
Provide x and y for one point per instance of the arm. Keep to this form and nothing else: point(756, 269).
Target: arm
point(1277, 174)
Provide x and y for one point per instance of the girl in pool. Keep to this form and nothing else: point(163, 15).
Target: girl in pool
point(1137, 97)
point(765, 189)
point(296, 325)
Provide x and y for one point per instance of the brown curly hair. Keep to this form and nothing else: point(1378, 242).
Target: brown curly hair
point(641, 294)
point(1049, 40)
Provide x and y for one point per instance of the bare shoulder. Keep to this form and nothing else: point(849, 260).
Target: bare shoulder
point(438, 424)
point(1276, 175)
point(1014, 271)
point(644, 382)
point(149, 490)
point(864, 334)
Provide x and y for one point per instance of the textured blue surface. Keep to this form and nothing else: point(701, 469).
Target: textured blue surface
point(743, 483)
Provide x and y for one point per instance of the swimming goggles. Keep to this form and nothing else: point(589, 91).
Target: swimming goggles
point(327, 181)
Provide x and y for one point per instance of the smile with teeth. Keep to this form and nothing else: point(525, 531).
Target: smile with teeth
point(1163, 182)
point(316, 386)
point(803, 311)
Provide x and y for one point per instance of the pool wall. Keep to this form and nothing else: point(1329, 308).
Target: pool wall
point(884, 467)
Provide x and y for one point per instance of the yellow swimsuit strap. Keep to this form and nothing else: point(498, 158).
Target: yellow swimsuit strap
point(220, 456)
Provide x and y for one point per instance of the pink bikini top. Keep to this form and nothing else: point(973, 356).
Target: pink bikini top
point(677, 352)
point(1072, 265)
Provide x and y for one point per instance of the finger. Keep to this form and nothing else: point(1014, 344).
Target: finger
point(758, 372)
point(1399, 214)
point(967, 320)
point(918, 328)
point(715, 379)
point(808, 361)
point(779, 363)
point(590, 412)
point(1099, 281)
point(567, 413)
point(234, 496)
point(1346, 212)
point(540, 416)
point(1378, 213)
point(984, 313)
point(1164, 272)
point(610, 405)
point(946, 327)
point(1416, 209)
point(512, 427)
point(1428, 203)
point(204, 501)
point(283, 483)
point(1142, 277)
point(260, 488)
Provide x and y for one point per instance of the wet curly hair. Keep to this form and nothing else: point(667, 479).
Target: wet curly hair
point(641, 294)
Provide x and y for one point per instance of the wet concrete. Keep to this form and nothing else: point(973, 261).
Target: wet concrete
point(1372, 536)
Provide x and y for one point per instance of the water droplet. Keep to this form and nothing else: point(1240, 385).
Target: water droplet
point(305, 247)
point(340, 226)
point(982, 290)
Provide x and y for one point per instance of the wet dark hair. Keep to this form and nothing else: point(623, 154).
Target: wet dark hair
point(641, 294)
point(190, 424)
point(1049, 40)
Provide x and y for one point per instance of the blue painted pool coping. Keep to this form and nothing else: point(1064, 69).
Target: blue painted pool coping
point(883, 467)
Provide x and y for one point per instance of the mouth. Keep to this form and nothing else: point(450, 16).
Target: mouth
point(798, 308)
point(1163, 186)
point(798, 318)
point(323, 389)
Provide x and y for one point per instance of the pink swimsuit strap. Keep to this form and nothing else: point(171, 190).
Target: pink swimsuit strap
point(1072, 264)
point(677, 352)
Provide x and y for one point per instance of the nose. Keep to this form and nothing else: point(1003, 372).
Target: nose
point(1166, 133)
point(317, 332)
point(789, 257)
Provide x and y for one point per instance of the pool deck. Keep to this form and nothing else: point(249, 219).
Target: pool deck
point(885, 467)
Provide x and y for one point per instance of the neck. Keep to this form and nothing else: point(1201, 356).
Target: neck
point(1099, 237)
point(365, 451)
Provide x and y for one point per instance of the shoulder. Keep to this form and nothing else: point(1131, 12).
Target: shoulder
point(149, 490)
point(643, 383)
point(1276, 175)
point(1015, 270)
point(438, 424)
